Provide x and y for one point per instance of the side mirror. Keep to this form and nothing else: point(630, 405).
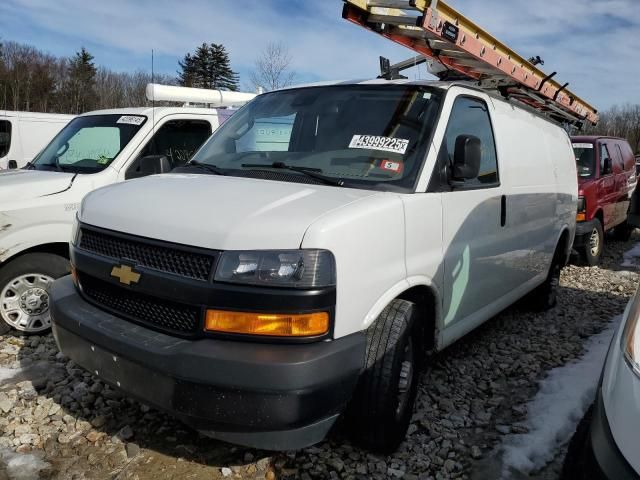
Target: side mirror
point(606, 166)
point(466, 158)
point(12, 165)
point(149, 165)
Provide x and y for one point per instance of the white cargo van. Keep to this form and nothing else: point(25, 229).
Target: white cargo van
point(24, 134)
point(337, 233)
point(38, 203)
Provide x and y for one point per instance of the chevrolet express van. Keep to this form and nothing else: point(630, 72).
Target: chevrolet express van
point(333, 235)
point(606, 179)
point(38, 203)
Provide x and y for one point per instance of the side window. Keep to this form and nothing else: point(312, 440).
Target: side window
point(605, 160)
point(178, 140)
point(5, 137)
point(470, 116)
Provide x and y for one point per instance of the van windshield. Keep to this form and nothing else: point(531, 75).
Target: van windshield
point(360, 136)
point(88, 144)
point(585, 159)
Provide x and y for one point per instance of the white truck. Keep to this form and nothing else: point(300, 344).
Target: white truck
point(24, 134)
point(38, 203)
point(333, 234)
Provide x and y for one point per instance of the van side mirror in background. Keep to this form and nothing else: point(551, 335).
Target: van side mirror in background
point(12, 165)
point(149, 165)
point(606, 167)
point(466, 158)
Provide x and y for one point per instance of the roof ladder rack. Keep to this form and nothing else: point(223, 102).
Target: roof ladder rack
point(434, 30)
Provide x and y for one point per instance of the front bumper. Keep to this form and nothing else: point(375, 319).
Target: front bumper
point(270, 396)
point(583, 233)
point(605, 460)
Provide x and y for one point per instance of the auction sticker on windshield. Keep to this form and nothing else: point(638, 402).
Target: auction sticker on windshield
point(583, 145)
point(131, 120)
point(386, 144)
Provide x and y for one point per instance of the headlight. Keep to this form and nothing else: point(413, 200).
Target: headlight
point(278, 268)
point(631, 335)
point(74, 230)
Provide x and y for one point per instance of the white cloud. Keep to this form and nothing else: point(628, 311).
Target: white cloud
point(590, 44)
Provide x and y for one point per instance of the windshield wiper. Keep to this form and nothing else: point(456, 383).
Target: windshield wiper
point(205, 166)
point(315, 173)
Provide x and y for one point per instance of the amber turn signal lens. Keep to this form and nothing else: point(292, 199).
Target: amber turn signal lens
point(581, 217)
point(274, 325)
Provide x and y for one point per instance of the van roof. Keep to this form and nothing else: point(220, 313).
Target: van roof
point(149, 111)
point(35, 115)
point(593, 138)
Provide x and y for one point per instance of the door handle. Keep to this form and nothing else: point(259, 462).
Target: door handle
point(503, 211)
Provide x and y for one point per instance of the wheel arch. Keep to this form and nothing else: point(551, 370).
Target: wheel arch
point(426, 296)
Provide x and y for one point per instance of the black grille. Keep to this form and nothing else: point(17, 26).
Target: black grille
point(166, 259)
point(163, 315)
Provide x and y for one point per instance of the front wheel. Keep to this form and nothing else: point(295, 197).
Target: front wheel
point(592, 251)
point(381, 409)
point(24, 291)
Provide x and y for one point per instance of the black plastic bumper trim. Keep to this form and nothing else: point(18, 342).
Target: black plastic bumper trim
point(213, 385)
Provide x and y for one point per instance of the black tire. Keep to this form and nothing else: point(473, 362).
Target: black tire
point(576, 463)
point(590, 253)
point(623, 232)
point(545, 297)
point(380, 411)
point(47, 264)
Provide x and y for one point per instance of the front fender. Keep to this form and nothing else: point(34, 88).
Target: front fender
point(15, 239)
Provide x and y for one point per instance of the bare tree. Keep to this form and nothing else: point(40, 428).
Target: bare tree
point(272, 68)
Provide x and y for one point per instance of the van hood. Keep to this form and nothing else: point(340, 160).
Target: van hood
point(216, 212)
point(18, 185)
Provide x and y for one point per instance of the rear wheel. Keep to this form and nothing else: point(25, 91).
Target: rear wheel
point(592, 251)
point(24, 291)
point(381, 409)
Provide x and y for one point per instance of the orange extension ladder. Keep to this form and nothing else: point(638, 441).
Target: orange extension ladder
point(436, 31)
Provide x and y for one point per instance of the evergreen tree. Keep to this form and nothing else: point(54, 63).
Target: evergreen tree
point(186, 74)
point(208, 67)
point(81, 82)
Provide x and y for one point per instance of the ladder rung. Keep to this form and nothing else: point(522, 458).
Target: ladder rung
point(393, 19)
point(399, 4)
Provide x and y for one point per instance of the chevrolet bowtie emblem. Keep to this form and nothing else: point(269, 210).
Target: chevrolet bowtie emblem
point(125, 274)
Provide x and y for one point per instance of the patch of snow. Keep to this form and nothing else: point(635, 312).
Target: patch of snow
point(631, 258)
point(553, 414)
point(8, 373)
point(22, 466)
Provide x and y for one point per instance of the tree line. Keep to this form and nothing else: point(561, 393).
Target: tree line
point(620, 121)
point(33, 80)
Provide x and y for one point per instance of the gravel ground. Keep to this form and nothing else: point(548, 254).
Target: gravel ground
point(59, 422)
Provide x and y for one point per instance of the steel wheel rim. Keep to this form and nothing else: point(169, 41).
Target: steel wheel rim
point(24, 302)
point(594, 242)
point(405, 382)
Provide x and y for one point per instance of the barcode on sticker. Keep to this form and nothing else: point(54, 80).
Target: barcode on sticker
point(386, 144)
point(583, 145)
point(131, 120)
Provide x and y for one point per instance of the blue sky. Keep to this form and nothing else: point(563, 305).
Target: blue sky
point(591, 44)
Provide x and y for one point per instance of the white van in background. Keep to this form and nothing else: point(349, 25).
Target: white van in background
point(24, 134)
point(38, 203)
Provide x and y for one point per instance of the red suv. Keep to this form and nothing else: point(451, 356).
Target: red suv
point(606, 178)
